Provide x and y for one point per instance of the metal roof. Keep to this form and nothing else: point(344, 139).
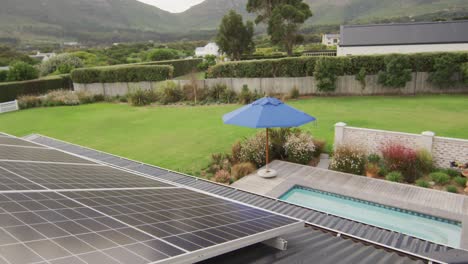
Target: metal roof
point(405, 34)
point(312, 246)
point(390, 240)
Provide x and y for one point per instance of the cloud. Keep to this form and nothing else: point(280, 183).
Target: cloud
point(174, 6)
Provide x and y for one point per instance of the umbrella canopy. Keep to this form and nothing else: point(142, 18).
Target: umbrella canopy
point(267, 112)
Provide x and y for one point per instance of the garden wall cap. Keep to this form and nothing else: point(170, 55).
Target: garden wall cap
point(267, 112)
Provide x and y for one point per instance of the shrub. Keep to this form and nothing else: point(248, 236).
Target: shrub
point(444, 69)
point(245, 96)
point(397, 71)
point(373, 158)
point(294, 93)
point(394, 176)
point(452, 172)
point(222, 176)
point(218, 162)
point(60, 64)
point(326, 72)
point(372, 168)
point(460, 181)
point(12, 90)
point(141, 97)
point(299, 148)
point(21, 71)
point(170, 93)
point(162, 54)
point(132, 73)
point(221, 94)
point(3, 75)
point(253, 149)
point(60, 98)
point(86, 97)
point(241, 170)
point(383, 170)
point(29, 101)
point(236, 152)
point(319, 147)
point(403, 159)
point(361, 77)
point(208, 61)
point(349, 159)
point(422, 183)
point(464, 72)
point(439, 177)
point(181, 67)
point(452, 189)
point(424, 161)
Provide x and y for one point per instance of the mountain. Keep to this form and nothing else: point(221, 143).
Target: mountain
point(110, 21)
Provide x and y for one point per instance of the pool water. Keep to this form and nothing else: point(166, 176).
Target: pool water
point(427, 227)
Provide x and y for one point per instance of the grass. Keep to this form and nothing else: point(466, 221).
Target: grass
point(182, 138)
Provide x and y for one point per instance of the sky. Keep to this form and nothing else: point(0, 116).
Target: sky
point(174, 6)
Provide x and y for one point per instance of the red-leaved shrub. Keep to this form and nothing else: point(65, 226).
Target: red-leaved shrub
point(222, 176)
point(403, 159)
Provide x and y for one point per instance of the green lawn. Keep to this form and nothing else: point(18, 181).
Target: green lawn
point(182, 138)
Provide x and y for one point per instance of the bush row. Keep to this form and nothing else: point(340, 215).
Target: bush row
point(305, 66)
point(12, 90)
point(58, 98)
point(181, 67)
point(125, 73)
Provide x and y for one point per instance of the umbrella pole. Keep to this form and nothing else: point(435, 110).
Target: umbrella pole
point(267, 151)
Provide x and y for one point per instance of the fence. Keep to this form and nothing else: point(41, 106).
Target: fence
point(345, 85)
point(444, 150)
point(9, 107)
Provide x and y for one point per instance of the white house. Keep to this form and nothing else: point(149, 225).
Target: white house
point(210, 49)
point(404, 38)
point(43, 56)
point(330, 39)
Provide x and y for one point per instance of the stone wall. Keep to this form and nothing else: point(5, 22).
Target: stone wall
point(443, 150)
point(345, 85)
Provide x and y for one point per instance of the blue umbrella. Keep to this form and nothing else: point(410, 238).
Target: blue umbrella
point(267, 113)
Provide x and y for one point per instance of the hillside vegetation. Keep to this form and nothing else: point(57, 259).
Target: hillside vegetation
point(129, 20)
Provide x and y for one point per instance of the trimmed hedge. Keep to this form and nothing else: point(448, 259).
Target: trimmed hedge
point(181, 67)
point(123, 73)
point(12, 90)
point(305, 66)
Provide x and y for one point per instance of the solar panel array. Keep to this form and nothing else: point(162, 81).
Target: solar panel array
point(59, 208)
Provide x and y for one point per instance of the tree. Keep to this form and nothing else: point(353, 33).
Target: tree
point(283, 17)
point(234, 38)
point(162, 54)
point(284, 24)
point(60, 64)
point(21, 71)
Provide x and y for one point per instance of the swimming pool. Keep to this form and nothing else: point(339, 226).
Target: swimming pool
point(423, 226)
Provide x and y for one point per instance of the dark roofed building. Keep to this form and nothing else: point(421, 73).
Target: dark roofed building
point(403, 38)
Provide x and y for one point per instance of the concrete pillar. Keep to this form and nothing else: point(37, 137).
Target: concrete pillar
point(339, 133)
point(426, 140)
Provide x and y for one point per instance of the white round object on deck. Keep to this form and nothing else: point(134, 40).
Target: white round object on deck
point(264, 173)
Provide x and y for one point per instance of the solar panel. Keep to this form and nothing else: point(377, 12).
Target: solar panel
point(38, 154)
point(60, 208)
point(10, 182)
point(17, 142)
point(45, 226)
point(188, 219)
point(79, 176)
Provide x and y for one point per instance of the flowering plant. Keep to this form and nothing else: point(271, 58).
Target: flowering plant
point(299, 148)
point(350, 159)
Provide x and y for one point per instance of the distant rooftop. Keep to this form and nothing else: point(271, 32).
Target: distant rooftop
point(405, 33)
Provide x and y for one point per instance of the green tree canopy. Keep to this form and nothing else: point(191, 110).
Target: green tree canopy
point(162, 54)
point(21, 71)
point(283, 17)
point(285, 22)
point(60, 64)
point(234, 38)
